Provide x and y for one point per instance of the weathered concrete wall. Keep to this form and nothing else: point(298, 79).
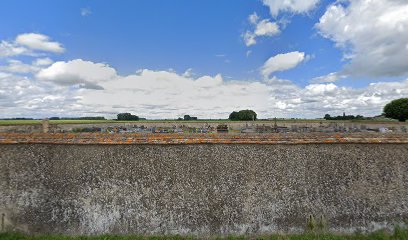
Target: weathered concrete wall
point(201, 189)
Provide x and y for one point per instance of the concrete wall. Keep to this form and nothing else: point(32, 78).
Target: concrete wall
point(202, 189)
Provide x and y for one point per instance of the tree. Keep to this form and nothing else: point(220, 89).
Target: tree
point(234, 116)
point(127, 117)
point(243, 115)
point(344, 117)
point(397, 109)
point(189, 118)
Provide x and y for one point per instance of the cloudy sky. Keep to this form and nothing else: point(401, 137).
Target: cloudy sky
point(206, 58)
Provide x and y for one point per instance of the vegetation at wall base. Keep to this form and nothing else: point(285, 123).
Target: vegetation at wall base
point(398, 234)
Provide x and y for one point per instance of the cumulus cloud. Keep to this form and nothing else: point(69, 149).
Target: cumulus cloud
point(17, 66)
point(8, 49)
point(261, 28)
point(85, 74)
point(80, 88)
point(167, 94)
point(249, 38)
point(266, 28)
point(21, 96)
point(295, 6)
point(29, 44)
point(372, 34)
point(42, 62)
point(282, 62)
point(329, 78)
point(39, 42)
point(4, 75)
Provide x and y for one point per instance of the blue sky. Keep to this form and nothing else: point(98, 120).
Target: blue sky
point(170, 34)
point(304, 53)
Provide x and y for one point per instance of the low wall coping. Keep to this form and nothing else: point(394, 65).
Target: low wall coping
point(168, 139)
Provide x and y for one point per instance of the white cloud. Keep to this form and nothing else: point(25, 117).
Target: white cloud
point(373, 35)
point(320, 89)
point(249, 52)
point(85, 74)
point(282, 62)
point(167, 94)
point(4, 75)
point(24, 97)
point(295, 6)
point(249, 38)
point(329, 78)
point(39, 42)
point(266, 28)
point(85, 12)
point(253, 18)
point(29, 44)
point(263, 28)
point(16, 66)
point(188, 73)
point(42, 62)
point(8, 49)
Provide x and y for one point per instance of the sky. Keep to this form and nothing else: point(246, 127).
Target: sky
point(206, 58)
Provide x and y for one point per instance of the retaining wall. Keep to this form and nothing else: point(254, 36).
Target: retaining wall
point(202, 189)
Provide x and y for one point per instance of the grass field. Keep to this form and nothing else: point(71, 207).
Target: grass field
point(398, 234)
point(29, 122)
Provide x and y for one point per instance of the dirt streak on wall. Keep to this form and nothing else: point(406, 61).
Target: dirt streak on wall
point(202, 189)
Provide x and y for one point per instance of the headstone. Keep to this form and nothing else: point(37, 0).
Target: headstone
point(45, 125)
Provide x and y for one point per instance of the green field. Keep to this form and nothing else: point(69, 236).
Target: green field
point(29, 122)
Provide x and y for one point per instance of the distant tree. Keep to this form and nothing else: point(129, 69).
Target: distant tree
point(397, 109)
point(127, 117)
point(189, 118)
point(234, 116)
point(344, 117)
point(243, 115)
point(82, 118)
point(54, 118)
point(92, 118)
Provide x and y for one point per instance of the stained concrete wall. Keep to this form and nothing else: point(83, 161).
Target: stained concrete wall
point(203, 189)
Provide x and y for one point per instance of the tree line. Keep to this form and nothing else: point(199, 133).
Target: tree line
point(344, 117)
point(396, 109)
